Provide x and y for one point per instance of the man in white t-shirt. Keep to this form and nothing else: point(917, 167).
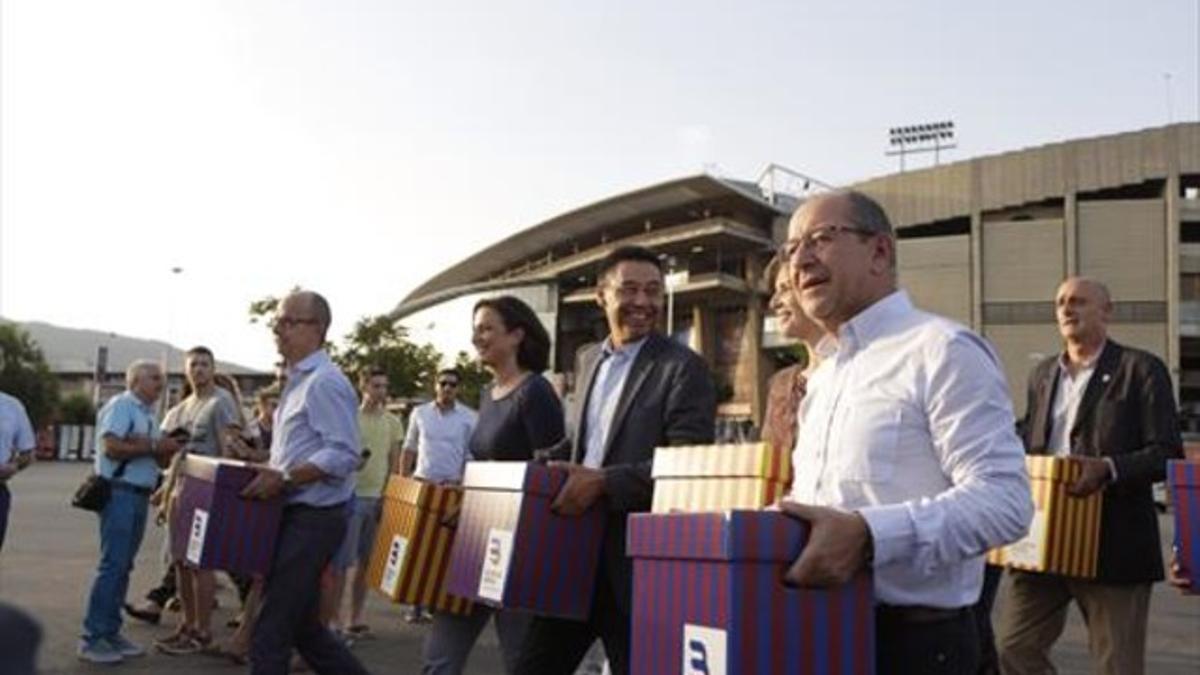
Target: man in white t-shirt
point(435, 448)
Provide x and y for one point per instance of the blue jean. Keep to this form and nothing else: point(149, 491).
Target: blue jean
point(122, 524)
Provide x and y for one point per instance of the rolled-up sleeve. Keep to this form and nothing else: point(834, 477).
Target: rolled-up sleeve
point(332, 416)
point(971, 425)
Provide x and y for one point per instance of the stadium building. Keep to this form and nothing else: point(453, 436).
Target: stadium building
point(984, 241)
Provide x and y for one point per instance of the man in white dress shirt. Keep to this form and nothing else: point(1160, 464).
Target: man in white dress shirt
point(906, 461)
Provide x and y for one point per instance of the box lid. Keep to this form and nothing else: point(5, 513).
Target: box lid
point(530, 477)
point(421, 494)
point(1182, 473)
point(729, 535)
point(730, 460)
point(232, 473)
point(1049, 467)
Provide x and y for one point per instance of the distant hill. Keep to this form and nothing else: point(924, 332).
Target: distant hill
point(73, 350)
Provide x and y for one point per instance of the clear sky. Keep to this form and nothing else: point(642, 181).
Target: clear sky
point(358, 148)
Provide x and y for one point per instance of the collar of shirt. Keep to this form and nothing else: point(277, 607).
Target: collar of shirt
point(628, 350)
point(1064, 362)
point(865, 326)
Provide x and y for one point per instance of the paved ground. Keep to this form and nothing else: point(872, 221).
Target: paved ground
point(48, 561)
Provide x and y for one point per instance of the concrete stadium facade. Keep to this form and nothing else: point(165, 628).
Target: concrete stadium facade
point(984, 241)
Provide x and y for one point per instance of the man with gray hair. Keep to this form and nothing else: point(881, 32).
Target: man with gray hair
point(315, 452)
point(1111, 410)
point(906, 461)
point(129, 453)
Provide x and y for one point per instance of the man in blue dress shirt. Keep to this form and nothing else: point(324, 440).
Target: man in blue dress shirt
point(16, 450)
point(129, 452)
point(315, 451)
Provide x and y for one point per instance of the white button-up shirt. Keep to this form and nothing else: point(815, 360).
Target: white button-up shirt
point(1067, 396)
point(907, 420)
point(440, 439)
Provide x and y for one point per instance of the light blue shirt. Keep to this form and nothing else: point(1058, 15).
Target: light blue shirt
point(16, 433)
point(126, 415)
point(607, 386)
point(317, 423)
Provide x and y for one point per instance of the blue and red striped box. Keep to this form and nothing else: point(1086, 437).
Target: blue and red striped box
point(709, 596)
point(1183, 482)
point(511, 551)
point(213, 527)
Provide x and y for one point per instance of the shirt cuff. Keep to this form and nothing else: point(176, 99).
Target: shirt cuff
point(891, 531)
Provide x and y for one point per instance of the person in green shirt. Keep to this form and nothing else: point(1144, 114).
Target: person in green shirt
point(382, 434)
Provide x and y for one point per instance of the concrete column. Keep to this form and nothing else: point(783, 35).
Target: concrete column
point(1174, 346)
point(977, 290)
point(1070, 234)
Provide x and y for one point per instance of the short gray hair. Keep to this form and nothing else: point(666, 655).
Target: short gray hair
point(867, 213)
point(136, 369)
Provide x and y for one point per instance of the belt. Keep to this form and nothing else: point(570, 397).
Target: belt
point(130, 487)
point(919, 613)
point(301, 506)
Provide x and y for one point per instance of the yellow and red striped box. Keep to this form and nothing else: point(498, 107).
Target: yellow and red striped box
point(1064, 536)
point(719, 477)
point(412, 545)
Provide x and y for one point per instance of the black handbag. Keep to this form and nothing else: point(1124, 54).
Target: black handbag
point(93, 493)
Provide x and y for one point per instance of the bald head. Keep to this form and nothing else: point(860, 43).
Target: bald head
point(1083, 307)
point(315, 305)
point(301, 324)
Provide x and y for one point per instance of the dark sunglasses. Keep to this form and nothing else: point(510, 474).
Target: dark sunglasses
point(447, 383)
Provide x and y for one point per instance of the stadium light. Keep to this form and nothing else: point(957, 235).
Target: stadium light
point(932, 137)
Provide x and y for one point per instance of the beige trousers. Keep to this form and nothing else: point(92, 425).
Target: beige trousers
point(1035, 612)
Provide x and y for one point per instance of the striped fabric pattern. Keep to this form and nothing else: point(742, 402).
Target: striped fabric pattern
point(554, 559)
point(1183, 484)
point(413, 509)
point(714, 494)
point(719, 477)
point(723, 572)
point(1064, 537)
point(240, 533)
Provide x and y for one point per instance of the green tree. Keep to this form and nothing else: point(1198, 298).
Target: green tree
point(25, 374)
point(76, 408)
point(472, 378)
point(380, 341)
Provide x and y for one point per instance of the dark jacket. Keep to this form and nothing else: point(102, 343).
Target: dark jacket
point(1127, 413)
point(668, 399)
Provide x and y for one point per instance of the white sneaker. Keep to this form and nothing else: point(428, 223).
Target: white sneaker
point(99, 652)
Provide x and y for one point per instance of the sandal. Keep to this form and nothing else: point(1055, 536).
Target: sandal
point(193, 644)
point(360, 631)
point(178, 635)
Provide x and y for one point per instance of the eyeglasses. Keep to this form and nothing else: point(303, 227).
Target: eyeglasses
point(820, 238)
point(290, 322)
point(449, 384)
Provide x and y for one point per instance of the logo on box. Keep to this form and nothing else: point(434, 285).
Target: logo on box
point(703, 650)
point(196, 539)
point(395, 564)
point(496, 558)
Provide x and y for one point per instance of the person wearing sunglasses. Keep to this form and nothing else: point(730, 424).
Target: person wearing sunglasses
point(435, 447)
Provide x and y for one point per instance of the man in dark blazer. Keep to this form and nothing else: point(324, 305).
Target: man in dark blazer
point(1112, 409)
point(638, 390)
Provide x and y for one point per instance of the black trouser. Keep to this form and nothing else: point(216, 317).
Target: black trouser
point(925, 641)
point(166, 589)
point(308, 538)
point(989, 662)
point(5, 506)
point(555, 646)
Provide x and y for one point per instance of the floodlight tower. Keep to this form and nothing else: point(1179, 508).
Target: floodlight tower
point(916, 138)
